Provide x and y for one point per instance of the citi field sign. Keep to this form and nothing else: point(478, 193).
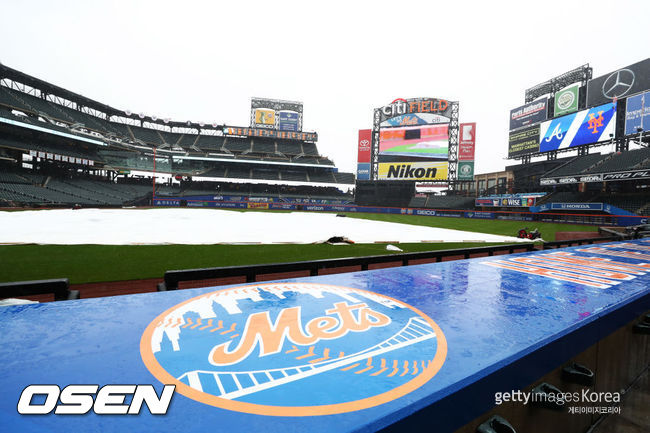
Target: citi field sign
point(401, 107)
point(293, 349)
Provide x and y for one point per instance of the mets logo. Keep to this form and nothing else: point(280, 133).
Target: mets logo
point(595, 122)
point(293, 349)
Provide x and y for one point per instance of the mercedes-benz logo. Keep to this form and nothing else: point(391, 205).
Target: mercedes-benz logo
point(618, 84)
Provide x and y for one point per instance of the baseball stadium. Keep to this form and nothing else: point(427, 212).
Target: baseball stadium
point(164, 272)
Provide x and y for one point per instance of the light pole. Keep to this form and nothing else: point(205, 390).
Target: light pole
point(153, 195)
point(639, 129)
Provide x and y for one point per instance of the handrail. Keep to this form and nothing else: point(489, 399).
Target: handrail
point(60, 287)
point(173, 277)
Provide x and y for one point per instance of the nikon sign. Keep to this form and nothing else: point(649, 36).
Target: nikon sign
point(418, 171)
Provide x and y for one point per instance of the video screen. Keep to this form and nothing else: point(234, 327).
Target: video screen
point(429, 141)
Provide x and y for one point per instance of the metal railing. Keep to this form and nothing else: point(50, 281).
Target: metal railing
point(59, 287)
point(250, 272)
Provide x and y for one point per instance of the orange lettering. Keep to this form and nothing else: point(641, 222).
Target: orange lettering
point(270, 337)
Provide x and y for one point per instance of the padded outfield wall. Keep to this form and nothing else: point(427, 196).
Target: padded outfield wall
point(618, 217)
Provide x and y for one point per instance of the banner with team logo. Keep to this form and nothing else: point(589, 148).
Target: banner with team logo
point(584, 127)
point(566, 100)
point(293, 349)
point(415, 119)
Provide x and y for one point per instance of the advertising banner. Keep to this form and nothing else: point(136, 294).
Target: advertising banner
point(418, 171)
point(585, 127)
point(465, 170)
point(257, 205)
point(576, 206)
point(415, 119)
point(484, 202)
point(467, 142)
point(256, 132)
point(400, 107)
point(523, 141)
point(512, 201)
point(264, 118)
point(480, 215)
point(619, 84)
point(529, 114)
point(288, 121)
point(637, 113)
point(566, 100)
point(571, 179)
point(363, 171)
point(365, 147)
point(429, 141)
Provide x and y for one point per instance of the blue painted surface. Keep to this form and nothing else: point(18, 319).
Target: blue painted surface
point(491, 317)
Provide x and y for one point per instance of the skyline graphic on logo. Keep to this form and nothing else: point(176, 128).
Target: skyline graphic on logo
point(293, 349)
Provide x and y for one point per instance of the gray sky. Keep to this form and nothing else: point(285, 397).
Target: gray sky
point(203, 61)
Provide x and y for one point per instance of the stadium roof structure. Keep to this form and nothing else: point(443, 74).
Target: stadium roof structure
point(15, 75)
point(580, 74)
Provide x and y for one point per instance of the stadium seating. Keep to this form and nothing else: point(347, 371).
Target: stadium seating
point(449, 202)
point(289, 147)
point(629, 202)
point(309, 149)
point(344, 177)
point(265, 174)
point(418, 201)
point(210, 143)
point(238, 144)
point(238, 172)
point(622, 161)
point(322, 176)
point(260, 146)
point(577, 165)
point(295, 176)
point(124, 135)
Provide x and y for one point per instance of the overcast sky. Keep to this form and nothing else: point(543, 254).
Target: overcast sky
point(204, 60)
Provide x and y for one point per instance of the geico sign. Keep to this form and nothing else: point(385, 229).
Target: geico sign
point(400, 107)
point(109, 400)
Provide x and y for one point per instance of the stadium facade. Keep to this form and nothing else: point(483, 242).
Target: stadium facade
point(60, 148)
point(581, 144)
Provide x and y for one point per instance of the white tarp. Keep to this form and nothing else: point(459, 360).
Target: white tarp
point(210, 226)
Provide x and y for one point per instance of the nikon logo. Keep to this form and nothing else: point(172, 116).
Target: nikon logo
point(406, 171)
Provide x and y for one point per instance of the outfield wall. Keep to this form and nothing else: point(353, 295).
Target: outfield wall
point(617, 217)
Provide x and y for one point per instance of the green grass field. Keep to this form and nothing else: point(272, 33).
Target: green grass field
point(96, 263)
